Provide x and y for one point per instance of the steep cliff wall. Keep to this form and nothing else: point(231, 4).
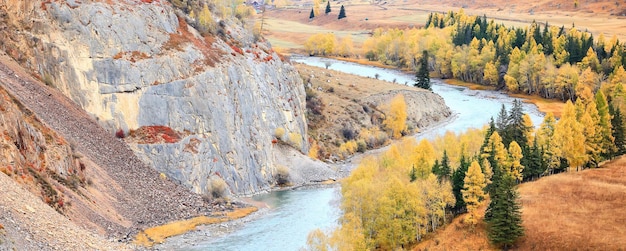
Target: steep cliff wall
point(195, 108)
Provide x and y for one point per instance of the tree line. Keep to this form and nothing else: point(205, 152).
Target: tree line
point(539, 59)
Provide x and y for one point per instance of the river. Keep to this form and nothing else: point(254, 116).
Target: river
point(293, 214)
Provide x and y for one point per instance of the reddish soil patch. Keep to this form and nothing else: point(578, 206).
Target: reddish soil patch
point(155, 134)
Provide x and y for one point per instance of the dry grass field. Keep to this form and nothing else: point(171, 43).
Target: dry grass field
point(290, 26)
point(570, 211)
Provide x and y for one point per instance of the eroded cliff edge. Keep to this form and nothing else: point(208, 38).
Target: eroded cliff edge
point(200, 109)
point(137, 67)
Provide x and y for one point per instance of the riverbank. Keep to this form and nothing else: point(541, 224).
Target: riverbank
point(544, 105)
point(285, 217)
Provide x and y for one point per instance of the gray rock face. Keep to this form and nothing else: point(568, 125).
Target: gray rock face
point(132, 64)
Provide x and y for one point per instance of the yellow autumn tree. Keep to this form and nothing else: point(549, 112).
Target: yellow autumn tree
point(345, 48)
point(395, 117)
point(496, 146)
point(487, 171)
point(490, 74)
point(515, 157)
point(569, 138)
point(529, 129)
point(205, 18)
point(545, 138)
point(473, 193)
point(316, 7)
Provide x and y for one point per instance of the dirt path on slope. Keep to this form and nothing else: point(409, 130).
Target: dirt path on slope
point(142, 198)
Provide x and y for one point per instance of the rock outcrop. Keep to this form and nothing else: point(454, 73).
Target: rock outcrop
point(212, 103)
point(423, 108)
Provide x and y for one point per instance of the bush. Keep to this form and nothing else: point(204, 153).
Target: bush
point(282, 175)
point(217, 187)
point(348, 133)
point(120, 134)
point(279, 133)
point(361, 146)
point(295, 139)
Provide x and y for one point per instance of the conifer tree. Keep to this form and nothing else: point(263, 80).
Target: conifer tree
point(458, 182)
point(503, 216)
point(473, 194)
point(487, 171)
point(607, 145)
point(422, 75)
point(617, 123)
point(545, 138)
point(312, 15)
point(515, 157)
point(327, 8)
point(502, 122)
point(568, 137)
point(342, 13)
point(445, 170)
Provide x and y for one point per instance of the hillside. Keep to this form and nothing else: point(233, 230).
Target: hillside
point(199, 103)
point(59, 153)
point(344, 107)
point(570, 211)
point(289, 27)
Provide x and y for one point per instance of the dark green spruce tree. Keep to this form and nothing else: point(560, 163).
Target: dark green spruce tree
point(445, 170)
point(342, 13)
point(617, 123)
point(458, 181)
point(503, 215)
point(413, 174)
point(327, 8)
point(312, 15)
point(422, 75)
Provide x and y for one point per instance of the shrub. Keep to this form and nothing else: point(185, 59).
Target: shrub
point(348, 133)
point(295, 139)
point(120, 134)
point(361, 146)
point(282, 175)
point(279, 133)
point(216, 187)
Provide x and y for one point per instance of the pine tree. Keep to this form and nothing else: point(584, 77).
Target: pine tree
point(503, 215)
point(312, 15)
point(327, 8)
point(342, 13)
point(422, 75)
point(618, 130)
point(607, 145)
point(458, 182)
point(473, 194)
point(413, 173)
point(502, 122)
point(445, 167)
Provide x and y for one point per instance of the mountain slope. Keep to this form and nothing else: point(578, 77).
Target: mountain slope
point(200, 108)
point(569, 211)
point(122, 196)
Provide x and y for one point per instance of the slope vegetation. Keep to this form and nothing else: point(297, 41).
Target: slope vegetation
point(570, 211)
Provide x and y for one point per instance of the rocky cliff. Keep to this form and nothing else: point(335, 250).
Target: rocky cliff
point(197, 108)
